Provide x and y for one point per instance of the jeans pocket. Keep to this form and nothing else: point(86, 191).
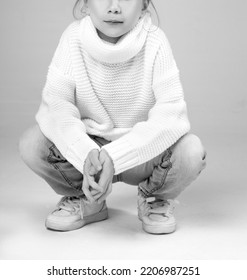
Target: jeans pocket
point(158, 178)
point(68, 172)
point(55, 156)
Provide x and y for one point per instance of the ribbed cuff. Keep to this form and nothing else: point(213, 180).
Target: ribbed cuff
point(78, 151)
point(123, 155)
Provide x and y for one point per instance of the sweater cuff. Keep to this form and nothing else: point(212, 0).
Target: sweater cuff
point(123, 155)
point(78, 151)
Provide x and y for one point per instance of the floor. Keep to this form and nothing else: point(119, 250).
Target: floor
point(211, 216)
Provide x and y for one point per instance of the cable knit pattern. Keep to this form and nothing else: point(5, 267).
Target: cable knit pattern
point(129, 93)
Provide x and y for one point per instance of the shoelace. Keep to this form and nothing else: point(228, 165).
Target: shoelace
point(159, 206)
point(70, 204)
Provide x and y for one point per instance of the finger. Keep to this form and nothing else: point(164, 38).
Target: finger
point(104, 177)
point(104, 196)
point(92, 170)
point(107, 169)
point(93, 184)
point(89, 181)
point(95, 193)
point(85, 189)
point(107, 190)
point(88, 169)
point(103, 191)
point(98, 195)
point(94, 158)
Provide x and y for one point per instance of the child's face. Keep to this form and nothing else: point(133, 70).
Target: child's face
point(114, 18)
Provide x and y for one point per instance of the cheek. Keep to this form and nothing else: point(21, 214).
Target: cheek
point(133, 19)
point(94, 10)
point(136, 12)
point(95, 19)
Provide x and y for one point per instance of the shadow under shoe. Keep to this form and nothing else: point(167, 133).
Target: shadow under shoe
point(73, 213)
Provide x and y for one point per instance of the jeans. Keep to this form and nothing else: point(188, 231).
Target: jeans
point(166, 175)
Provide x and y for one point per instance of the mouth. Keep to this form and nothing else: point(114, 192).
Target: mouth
point(113, 22)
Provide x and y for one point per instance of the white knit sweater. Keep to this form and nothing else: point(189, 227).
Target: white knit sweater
point(129, 93)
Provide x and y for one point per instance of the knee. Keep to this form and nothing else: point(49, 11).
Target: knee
point(30, 145)
point(193, 152)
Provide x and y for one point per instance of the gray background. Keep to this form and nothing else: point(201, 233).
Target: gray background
point(209, 43)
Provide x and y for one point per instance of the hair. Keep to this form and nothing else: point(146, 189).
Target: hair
point(79, 4)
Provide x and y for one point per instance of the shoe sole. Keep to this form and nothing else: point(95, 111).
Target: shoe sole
point(159, 229)
point(103, 215)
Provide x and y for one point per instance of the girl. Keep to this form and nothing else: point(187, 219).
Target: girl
point(113, 110)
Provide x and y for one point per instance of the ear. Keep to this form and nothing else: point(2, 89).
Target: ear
point(85, 5)
point(145, 4)
point(85, 9)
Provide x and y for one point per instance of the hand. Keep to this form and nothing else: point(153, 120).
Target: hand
point(106, 176)
point(91, 168)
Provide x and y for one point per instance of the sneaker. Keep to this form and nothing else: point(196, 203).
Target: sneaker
point(156, 214)
point(73, 213)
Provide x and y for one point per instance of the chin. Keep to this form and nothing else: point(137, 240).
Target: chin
point(115, 34)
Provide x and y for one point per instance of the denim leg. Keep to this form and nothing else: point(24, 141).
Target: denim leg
point(149, 175)
point(42, 156)
point(179, 167)
point(169, 173)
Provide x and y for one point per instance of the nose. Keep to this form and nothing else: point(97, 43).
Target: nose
point(114, 7)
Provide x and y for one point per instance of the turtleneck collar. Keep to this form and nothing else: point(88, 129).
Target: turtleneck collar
point(127, 47)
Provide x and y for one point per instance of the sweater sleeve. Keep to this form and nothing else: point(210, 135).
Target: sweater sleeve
point(167, 120)
point(58, 117)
